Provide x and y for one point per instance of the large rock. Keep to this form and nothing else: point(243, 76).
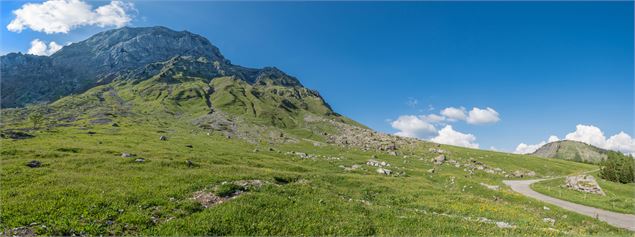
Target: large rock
point(584, 183)
point(439, 159)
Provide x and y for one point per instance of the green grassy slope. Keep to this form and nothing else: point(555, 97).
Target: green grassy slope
point(85, 187)
point(619, 197)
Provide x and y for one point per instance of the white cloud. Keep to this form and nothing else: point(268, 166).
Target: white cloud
point(475, 116)
point(482, 116)
point(553, 138)
point(454, 113)
point(413, 126)
point(588, 134)
point(61, 16)
point(39, 47)
point(621, 142)
point(593, 135)
point(432, 118)
point(449, 136)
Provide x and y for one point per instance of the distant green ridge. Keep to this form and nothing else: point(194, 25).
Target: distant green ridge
point(572, 150)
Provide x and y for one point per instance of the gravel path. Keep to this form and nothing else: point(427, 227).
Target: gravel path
point(621, 220)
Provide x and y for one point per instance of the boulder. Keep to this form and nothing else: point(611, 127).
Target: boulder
point(139, 160)
point(34, 164)
point(189, 146)
point(439, 159)
point(126, 155)
point(584, 183)
point(384, 171)
point(163, 138)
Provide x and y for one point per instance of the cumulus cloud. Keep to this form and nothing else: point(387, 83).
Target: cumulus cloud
point(39, 47)
point(61, 16)
point(454, 114)
point(482, 116)
point(413, 126)
point(449, 136)
point(474, 116)
point(591, 135)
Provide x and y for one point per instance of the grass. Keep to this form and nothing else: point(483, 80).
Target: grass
point(85, 187)
point(619, 197)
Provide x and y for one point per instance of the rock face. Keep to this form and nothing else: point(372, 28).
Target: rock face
point(584, 183)
point(124, 53)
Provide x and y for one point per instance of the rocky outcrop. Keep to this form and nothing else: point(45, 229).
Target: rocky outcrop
point(584, 183)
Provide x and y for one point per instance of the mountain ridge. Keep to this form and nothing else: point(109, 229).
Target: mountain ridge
point(111, 55)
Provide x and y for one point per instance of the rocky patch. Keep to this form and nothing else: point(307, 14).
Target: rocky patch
point(584, 183)
point(225, 191)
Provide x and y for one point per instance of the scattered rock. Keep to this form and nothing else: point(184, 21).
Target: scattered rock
point(207, 199)
point(34, 164)
point(432, 170)
point(521, 174)
point(19, 231)
point(436, 150)
point(373, 162)
point(439, 159)
point(163, 138)
point(255, 150)
point(139, 160)
point(504, 225)
point(584, 183)
point(546, 208)
point(15, 135)
point(492, 187)
point(126, 155)
point(551, 221)
point(384, 171)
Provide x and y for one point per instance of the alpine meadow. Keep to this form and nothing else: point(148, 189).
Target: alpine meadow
point(152, 131)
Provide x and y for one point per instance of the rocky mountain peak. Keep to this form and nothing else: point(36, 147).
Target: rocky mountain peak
point(127, 48)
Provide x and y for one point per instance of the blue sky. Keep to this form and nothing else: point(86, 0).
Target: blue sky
point(544, 67)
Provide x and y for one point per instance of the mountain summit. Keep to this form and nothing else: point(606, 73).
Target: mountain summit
point(116, 54)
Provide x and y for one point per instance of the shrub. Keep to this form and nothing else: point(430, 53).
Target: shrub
point(618, 168)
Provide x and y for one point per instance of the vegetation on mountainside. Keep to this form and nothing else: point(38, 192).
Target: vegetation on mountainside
point(619, 197)
point(618, 168)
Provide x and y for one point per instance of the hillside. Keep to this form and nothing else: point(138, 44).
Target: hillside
point(572, 150)
point(165, 136)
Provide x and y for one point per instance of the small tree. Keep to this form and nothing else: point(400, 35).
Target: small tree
point(618, 168)
point(36, 114)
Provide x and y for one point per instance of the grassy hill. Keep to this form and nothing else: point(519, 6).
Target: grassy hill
point(572, 150)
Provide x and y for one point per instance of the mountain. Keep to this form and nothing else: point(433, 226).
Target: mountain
point(113, 54)
point(572, 150)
